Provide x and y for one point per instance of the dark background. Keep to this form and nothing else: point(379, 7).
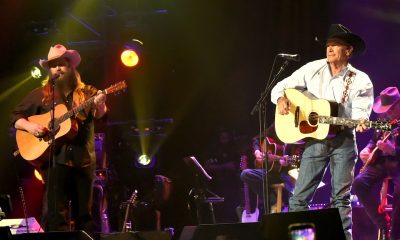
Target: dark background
point(204, 65)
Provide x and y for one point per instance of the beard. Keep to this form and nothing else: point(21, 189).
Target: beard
point(65, 81)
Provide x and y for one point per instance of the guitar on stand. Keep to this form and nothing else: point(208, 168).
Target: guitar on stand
point(247, 215)
point(127, 225)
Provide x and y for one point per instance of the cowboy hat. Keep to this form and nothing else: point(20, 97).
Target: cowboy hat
point(338, 31)
point(386, 99)
point(59, 51)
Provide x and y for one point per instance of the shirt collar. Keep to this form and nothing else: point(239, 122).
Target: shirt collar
point(344, 70)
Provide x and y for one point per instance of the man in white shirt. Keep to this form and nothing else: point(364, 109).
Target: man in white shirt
point(333, 79)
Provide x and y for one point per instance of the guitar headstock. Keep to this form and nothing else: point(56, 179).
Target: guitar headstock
point(116, 87)
point(383, 125)
point(133, 197)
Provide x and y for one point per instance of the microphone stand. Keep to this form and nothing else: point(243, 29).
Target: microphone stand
point(51, 173)
point(52, 121)
point(261, 107)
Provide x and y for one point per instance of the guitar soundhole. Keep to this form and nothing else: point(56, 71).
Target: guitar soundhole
point(305, 128)
point(313, 118)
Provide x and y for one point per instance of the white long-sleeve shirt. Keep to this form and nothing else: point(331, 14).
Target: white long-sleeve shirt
point(316, 78)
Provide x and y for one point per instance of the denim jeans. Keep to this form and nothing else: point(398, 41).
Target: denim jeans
point(340, 153)
point(254, 179)
point(363, 185)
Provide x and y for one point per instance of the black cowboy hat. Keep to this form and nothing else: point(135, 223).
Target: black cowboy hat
point(338, 31)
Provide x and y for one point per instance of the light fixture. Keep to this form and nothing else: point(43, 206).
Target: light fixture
point(36, 72)
point(144, 161)
point(131, 54)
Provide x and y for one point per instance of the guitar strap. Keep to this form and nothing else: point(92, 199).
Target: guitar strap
point(347, 82)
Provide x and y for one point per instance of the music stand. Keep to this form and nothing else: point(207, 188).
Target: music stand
point(203, 197)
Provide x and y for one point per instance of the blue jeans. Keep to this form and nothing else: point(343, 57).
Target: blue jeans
point(363, 185)
point(254, 179)
point(341, 154)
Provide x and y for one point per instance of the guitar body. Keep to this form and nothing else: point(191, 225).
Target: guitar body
point(296, 125)
point(275, 151)
point(31, 147)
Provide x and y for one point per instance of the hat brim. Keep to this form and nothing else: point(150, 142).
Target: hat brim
point(352, 39)
point(379, 108)
point(73, 57)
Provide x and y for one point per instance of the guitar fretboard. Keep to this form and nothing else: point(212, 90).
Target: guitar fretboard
point(76, 110)
point(353, 123)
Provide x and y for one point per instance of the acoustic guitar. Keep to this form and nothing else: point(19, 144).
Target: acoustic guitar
point(310, 117)
point(375, 152)
point(247, 215)
point(32, 148)
point(275, 153)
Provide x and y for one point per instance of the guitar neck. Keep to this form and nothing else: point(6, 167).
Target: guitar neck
point(74, 111)
point(246, 195)
point(353, 122)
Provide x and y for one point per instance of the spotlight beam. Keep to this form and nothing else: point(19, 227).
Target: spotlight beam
point(5, 94)
point(84, 24)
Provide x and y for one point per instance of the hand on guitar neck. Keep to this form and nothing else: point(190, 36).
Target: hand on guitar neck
point(362, 127)
point(386, 147)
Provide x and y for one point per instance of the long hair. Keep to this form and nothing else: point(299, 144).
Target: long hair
point(77, 87)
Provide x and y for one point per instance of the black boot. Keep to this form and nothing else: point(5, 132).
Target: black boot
point(383, 234)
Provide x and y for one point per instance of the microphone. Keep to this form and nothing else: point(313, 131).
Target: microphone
point(54, 77)
point(293, 57)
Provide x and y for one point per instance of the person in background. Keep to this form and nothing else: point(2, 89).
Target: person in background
point(386, 156)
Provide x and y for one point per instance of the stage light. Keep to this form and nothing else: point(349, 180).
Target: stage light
point(36, 72)
point(144, 161)
point(129, 58)
point(131, 54)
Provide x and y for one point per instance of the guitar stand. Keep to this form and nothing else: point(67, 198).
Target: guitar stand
point(203, 200)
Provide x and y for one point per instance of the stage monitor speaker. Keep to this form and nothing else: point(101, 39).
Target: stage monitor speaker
point(18, 225)
point(5, 233)
point(327, 222)
point(142, 235)
point(225, 231)
point(75, 235)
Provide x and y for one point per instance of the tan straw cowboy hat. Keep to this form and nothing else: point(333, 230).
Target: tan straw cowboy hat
point(59, 51)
